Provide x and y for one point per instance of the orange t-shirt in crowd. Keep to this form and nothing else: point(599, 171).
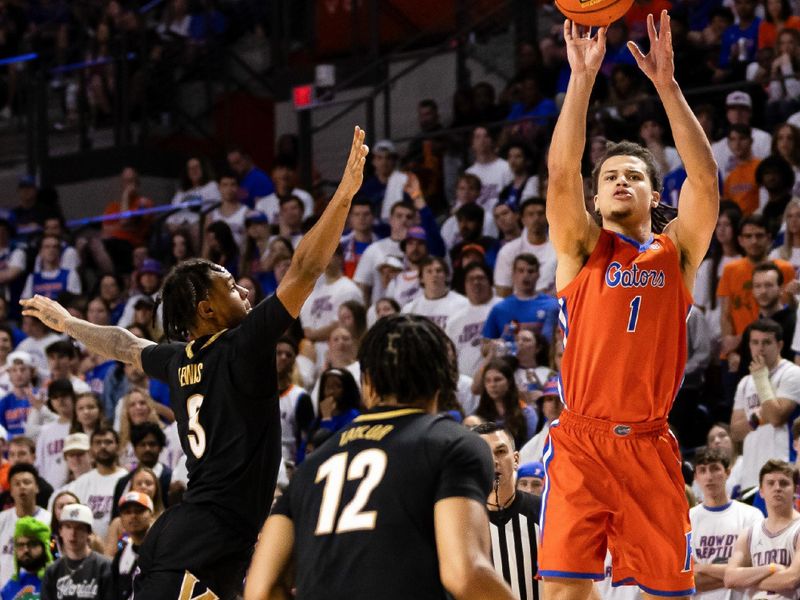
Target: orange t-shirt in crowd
point(135, 229)
point(768, 33)
point(736, 284)
point(741, 187)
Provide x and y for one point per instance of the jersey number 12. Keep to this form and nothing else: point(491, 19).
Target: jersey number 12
point(369, 466)
point(634, 316)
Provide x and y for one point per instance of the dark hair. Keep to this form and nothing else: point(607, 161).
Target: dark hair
point(756, 221)
point(707, 456)
point(766, 326)
point(359, 313)
point(402, 204)
point(299, 202)
point(59, 388)
point(490, 427)
point(429, 260)
point(22, 440)
point(796, 429)
point(773, 465)
point(406, 356)
point(351, 396)
point(626, 148)
point(228, 173)
point(76, 426)
point(514, 418)
point(741, 129)
point(187, 238)
point(141, 431)
point(5, 328)
point(473, 180)
point(289, 341)
point(104, 430)
point(206, 176)
point(786, 12)
point(394, 304)
point(795, 156)
point(532, 201)
point(521, 146)
point(481, 266)
point(184, 287)
point(732, 211)
point(284, 161)
point(769, 267)
point(527, 258)
point(470, 212)
point(23, 468)
point(428, 103)
point(228, 249)
point(61, 348)
point(361, 200)
point(776, 164)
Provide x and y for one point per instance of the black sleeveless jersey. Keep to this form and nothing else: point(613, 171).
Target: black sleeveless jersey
point(362, 504)
point(223, 390)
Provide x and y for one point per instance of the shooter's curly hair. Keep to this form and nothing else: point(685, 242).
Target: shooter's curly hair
point(186, 284)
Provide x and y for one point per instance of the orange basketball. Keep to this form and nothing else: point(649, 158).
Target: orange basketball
point(597, 13)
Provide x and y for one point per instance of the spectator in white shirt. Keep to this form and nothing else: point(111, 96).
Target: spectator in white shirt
point(739, 110)
point(385, 187)
point(39, 338)
point(50, 443)
point(764, 402)
point(284, 178)
point(60, 357)
point(12, 260)
point(465, 327)
point(51, 279)
point(196, 184)
point(493, 171)
point(231, 211)
point(367, 276)
point(437, 301)
point(468, 190)
point(290, 219)
point(319, 315)
point(534, 241)
point(69, 258)
point(405, 287)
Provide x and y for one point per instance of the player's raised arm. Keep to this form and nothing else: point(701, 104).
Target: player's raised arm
point(462, 543)
point(317, 246)
point(698, 204)
point(113, 342)
point(571, 227)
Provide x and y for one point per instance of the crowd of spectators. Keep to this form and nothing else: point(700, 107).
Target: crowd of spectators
point(451, 226)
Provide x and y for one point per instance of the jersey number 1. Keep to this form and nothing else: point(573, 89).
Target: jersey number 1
point(369, 465)
point(634, 316)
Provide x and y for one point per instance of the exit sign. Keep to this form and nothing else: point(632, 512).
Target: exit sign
point(303, 96)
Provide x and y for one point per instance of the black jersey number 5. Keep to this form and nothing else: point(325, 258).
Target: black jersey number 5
point(369, 465)
point(197, 435)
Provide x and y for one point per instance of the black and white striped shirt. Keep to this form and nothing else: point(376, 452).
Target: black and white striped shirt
point(514, 534)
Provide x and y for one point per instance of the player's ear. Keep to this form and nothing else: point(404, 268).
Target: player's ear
point(205, 310)
point(368, 395)
point(655, 199)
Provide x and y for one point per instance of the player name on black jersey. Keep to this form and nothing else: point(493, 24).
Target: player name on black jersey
point(190, 374)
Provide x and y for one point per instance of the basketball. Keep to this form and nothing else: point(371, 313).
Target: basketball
point(597, 13)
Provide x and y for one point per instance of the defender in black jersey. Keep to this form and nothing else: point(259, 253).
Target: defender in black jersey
point(513, 516)
point(223, 390)
point(392, 506)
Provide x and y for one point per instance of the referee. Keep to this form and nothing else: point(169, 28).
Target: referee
point(513, 516)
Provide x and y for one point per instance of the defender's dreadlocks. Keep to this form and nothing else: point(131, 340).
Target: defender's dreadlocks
point(187, 284)
point(406, 356)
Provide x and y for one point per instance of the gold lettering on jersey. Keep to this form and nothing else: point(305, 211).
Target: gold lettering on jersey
point(374, 433)
point(187, 589)
point(190, 374)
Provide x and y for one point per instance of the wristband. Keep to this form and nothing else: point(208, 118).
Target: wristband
point(763, 385)
point(773, 568)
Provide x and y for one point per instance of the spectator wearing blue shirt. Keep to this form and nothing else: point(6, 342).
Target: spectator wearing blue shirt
point(253, 182)
point(15, 405)
point(532, 104)
point(537, 312)
point(740, 40)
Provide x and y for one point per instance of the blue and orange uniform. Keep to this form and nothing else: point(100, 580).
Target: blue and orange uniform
point(613, 467)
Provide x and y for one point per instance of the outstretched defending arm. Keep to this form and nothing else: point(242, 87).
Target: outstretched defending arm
point(114, 342)
point(316, 248)
point(698, 205)
point(572, 229)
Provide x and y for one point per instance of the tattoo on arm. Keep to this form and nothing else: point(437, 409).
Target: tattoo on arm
point(114, 342)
